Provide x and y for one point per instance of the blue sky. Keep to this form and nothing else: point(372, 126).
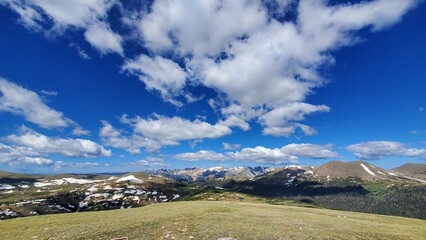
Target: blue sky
point(102, 86)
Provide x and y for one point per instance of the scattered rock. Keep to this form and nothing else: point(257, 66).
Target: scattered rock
point(121, 238)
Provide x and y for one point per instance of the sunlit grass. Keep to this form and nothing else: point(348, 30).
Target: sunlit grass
point(214, 219)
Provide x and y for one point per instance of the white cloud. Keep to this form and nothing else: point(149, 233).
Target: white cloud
point(282, 121)
point(90, 15)
point(16, 155)
point(80, 51)
point(40, 161)
point(28, 16)
point(79, 131)
point(262, 66)
point(260, 154)
point(194, 143)
point(289, 113)
point(200, 27)
point(77, 13)
point(258, 63)
point(23, 155)
point(133, 143)
point(414, 132)
point(234, 121)
point(48, 145)
point(374, 150)
point(160, 74)
point(264, 155)
point(61, 164)
point(155, 132)
point(315, 16)
point(169, 131)
point(26, 103)
point(191, 99)
point(201, 155)
point(310, 150)
point(49, 93)
point(100, 36)
point(148, 162)
point(228, 146)
point(307, 130)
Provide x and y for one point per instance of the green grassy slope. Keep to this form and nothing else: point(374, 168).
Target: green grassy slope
point(211, 220)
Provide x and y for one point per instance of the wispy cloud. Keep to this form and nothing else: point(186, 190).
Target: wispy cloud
point(375, 150)
point(91, 16)
point(154, 132)
point(21, 101)
point(16, 155)
point(287, 154)
point(61, 164)
point(49, 93)
point(68, 147)
point(79, 131)
point(80, 51)
point(228, 146)
point(148, 162)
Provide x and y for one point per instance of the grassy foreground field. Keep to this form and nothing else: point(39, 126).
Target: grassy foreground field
point(212, 220)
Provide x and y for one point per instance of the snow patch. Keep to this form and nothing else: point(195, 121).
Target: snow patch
point(130, 192)
point(82, 204)
point(140, 192)
point(367, 170)
point(213, 169)
point(416, 179)
point(129, 178)
point(136, 199)
point(5, 186)
point(62, 208)
point(9, 212)
point(42, 184)
point(176, 196)
point(93, 188)
point(64, 181)
point(117, 196)
point(80, 181)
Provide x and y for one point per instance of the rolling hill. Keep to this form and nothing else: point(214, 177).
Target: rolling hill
point(214, 220)
point(360, 169)
point(66, 193)
point(414, 170)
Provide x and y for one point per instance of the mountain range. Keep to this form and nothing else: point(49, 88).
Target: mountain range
point(222, 173)
point(355, 186)
point(328, 171)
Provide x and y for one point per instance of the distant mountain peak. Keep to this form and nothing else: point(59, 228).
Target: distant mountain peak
point(217, 172)
point(361, 169)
